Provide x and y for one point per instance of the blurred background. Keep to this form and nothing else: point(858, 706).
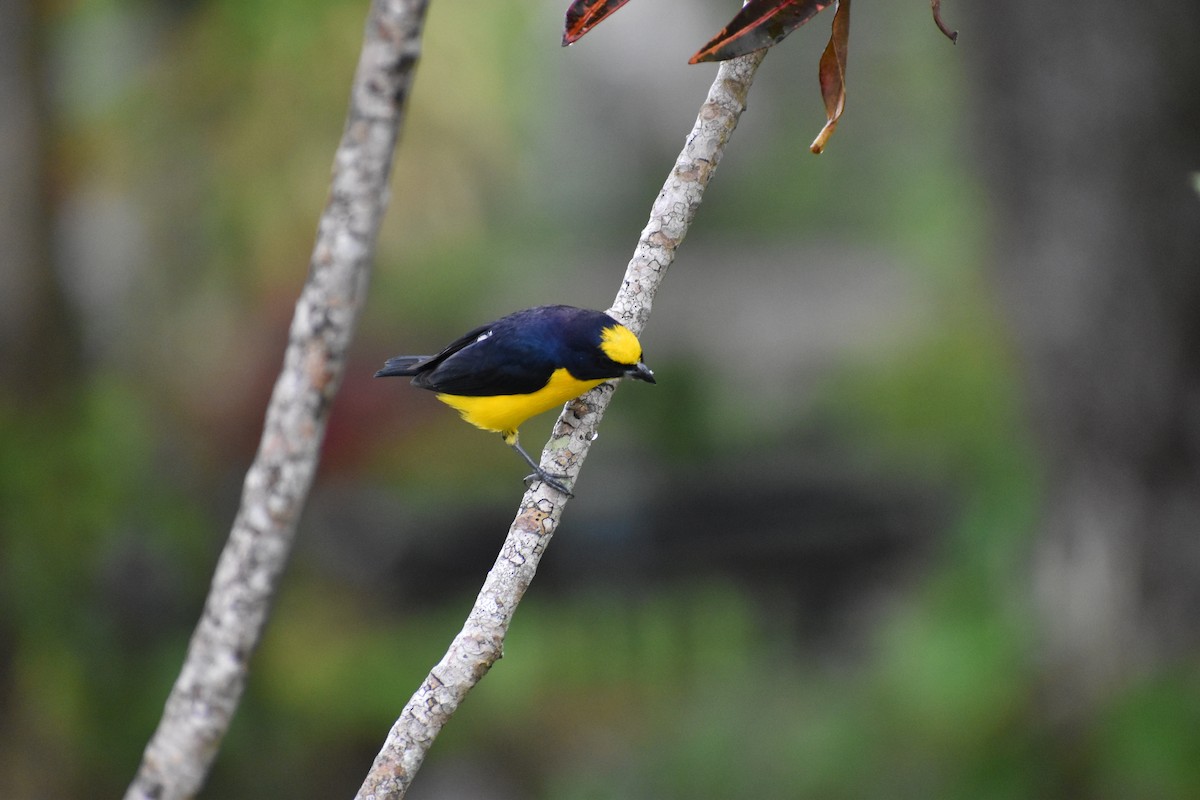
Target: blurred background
point(913, 511)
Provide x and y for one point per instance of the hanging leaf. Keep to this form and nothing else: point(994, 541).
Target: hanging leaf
point(760, 23)
point(943, 27)
point(583, 15)
point(833, 74)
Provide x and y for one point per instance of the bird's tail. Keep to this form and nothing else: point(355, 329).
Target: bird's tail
point(402, 365)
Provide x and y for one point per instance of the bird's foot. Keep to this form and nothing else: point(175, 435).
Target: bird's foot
point(550, 479)
point(539, 474)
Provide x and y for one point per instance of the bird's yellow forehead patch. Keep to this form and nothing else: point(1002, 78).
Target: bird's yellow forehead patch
point(619, 344)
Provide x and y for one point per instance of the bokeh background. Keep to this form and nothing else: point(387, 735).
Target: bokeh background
point(913, 511)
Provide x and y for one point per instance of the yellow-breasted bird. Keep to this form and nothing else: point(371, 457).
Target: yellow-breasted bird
point(501, 374)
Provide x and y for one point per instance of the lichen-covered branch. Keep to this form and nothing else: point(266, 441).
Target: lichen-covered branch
point(480, 642)
point(206, 694)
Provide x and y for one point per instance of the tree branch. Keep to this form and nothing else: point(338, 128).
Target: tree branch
point(206, 693)
point(480, 642)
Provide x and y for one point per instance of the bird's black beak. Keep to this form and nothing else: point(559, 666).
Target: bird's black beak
point(641, 373)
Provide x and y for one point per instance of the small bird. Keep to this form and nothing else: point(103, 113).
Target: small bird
point(501, 374)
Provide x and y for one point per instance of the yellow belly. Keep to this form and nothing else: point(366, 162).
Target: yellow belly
point(504, 413)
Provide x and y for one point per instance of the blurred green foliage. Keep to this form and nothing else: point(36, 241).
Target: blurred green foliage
point(216, 122)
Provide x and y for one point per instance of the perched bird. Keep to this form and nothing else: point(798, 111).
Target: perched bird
point(501, 374)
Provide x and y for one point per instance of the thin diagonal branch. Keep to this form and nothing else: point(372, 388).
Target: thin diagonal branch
point(206, 694)
point(480, 642)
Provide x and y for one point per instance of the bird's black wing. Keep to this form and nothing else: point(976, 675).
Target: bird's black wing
point(492, 360)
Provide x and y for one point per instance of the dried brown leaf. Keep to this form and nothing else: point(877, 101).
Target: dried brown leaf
point(583, 15)
point(760, 23)
point(833, 74)
point(942, 26)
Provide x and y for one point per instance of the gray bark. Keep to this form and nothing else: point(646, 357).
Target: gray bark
point(1089, 115)
point(202, 703)
point(481, 641)
point(38, 342)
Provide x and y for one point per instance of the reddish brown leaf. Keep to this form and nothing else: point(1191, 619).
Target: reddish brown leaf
point(583, 15)
point(760, 23)
point(833, 74)
point(943, 27)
